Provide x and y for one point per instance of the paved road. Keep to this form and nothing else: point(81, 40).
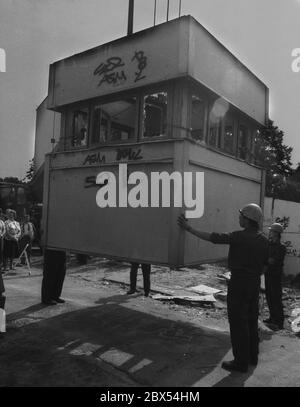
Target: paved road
point(102, 337)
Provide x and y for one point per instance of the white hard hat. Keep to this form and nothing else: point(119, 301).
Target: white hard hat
point(253, 212)
point(276, 227)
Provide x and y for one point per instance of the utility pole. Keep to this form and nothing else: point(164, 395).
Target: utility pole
point(130, 17)
point(168, 7)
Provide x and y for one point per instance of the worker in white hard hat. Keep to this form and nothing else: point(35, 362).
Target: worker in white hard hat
point(273, 277)
point(247, 257)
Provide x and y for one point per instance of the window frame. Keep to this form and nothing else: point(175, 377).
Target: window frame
point(247, 126)
point(109, 140)
point(148, 92)
point(229, 115)
point(204, 97)
point(68, 123)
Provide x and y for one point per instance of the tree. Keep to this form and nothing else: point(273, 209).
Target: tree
point(30, 172)
point(13, 180)
point(275, 157)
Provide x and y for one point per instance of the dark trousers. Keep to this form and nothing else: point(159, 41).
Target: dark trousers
point(10, 251)
point(1, 250)
point(273, 284)
point(242, 305)
point(146, 269)
point(2, 291)
point(2, 300)
point(54, 272)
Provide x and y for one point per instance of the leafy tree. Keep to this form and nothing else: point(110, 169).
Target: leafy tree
point(30, 172)
point(275, 157)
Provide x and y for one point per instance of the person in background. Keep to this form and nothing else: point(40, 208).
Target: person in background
point(11, 239)
point(2, 308)
point(247, 257)
point(146, 269)
point(2, 216)
point(2, 233)
point(27, 237)
point(273, 277)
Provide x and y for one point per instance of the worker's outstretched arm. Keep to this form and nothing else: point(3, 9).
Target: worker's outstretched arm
point(183, 223)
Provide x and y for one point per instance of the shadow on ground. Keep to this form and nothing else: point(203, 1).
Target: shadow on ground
point(109, 344)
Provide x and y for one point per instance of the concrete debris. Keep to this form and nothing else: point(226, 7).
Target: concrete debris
point(225, 276)
point(191, 298)
point(263, 328)
point(220, 305)
point(296, 325)
point(221, 296)
point(295, 312)
point(162, 297)
point(203, 289)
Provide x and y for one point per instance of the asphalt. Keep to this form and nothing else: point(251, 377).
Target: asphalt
point(102, 337)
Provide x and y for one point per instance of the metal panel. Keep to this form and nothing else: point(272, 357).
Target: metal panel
point(76, 223)
point(215, 67)
point(224, 195)
point(144, 58)
point(47, 127)
point(178, 48)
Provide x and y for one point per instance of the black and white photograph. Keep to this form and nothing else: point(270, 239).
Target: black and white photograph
point(149, 196)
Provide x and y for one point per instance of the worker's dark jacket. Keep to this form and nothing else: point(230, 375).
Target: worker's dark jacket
point(248, 251)
point(277, 253)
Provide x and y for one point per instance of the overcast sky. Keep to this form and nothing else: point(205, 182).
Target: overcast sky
point(35, 33)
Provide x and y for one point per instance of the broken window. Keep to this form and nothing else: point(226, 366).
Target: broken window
point(228, 141)
point(114, 121)
point(256, 148)
point(155, 115)
point(80, 128)
point(215, 127)
point(243, 142)
point(197, 118)
point(218, 110)
point(100, 126)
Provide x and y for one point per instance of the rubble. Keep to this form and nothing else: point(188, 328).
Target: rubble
point(295, 312)
point(204, 289)
point(295, 325)
point(222, 295)
point(224, 276)
point(190, 298)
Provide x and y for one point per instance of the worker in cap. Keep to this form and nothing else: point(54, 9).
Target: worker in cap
point(247, 257)
point(273, 277)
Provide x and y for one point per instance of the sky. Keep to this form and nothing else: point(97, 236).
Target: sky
point(35, 33)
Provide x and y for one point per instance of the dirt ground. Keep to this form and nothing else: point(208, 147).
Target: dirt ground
point(102, 337)
point(164, 279)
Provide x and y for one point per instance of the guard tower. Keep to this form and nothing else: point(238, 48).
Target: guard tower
point(168, 98)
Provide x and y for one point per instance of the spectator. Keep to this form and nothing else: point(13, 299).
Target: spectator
point(27, 237)
point(2, 309)
point(11, 239)
point(2, 233)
